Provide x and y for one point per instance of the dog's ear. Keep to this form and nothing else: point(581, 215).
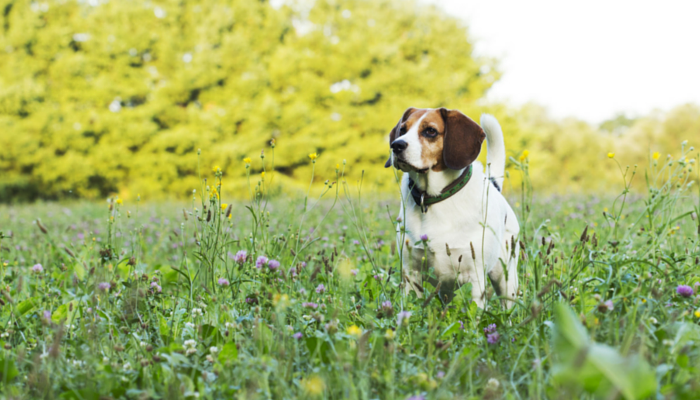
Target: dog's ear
point(463, 138)
point(395, 132)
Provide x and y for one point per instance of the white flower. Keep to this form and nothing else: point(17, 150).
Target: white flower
point(115, 106)
point(143, 344)
point(197, 312)
point(191, 343)
point(105, 359)
point(187, 58)
point(213, 350)
point(189, 325)
point(493, 384)
point(127, 366)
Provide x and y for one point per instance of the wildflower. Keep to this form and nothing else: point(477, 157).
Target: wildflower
point(213, 350)
point(424, 237)
point(310, 305)
point(492, 384)
point(490, 329)
point(697, 313)
point(126, 366)
point(47, 315)
point(273, 264)
point(416, 397)
point(190, 345)
point(492, 338)
point(403, 317)
point(262, 175)
point(262, 260)
point(611, 155)
point(655, 156)
point(103, 286)
point(37, 269)
point(216, 169)
point(302, 291)
point(240, 256)
point(189, 325)
point(461, 325)
point(354, 271)
point(606, 306)
point(320, 289)
point(387, 308)
point(298, 335)
point(313, 386)
point(354, 330)
point(223, 206)
point(313, 156)
point(223, 282)
point(684, 290)
point(390, 334)
point(524, 155)
point(120, 202)
point(247, 160)
point(156, 287)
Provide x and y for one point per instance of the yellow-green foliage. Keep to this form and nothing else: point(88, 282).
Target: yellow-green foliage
point(101, 97)
point(223, 76)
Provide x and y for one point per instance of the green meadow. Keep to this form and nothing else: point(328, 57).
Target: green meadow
point(301, 297)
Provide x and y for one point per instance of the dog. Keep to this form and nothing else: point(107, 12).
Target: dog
point(449, 197)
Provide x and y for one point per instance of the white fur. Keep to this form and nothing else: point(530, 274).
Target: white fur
point(477, 214)
point(496, 149)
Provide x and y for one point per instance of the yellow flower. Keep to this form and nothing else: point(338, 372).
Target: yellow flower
point(247, 160)
point(337, 166)
point(313, 156)
point(697, 313)
point(611, 155)
point(390, 334)
point(655, 156)
point(119, 201)
point(313, 385)
point(524, 155)
point(262, 174)
point(354, 330)
point(223, 206)
point(216, 169)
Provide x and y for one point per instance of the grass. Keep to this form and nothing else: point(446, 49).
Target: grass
point(157, 300)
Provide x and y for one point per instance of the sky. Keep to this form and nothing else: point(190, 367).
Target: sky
point(590, 60)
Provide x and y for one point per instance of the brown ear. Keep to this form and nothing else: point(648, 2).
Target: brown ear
point(463, 138)
point(395, 132)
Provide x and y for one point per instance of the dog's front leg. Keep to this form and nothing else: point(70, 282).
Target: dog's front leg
point(413, 266)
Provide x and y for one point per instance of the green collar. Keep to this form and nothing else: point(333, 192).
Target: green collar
point(423, 200)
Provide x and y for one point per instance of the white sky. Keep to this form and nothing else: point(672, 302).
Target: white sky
point(589, 59)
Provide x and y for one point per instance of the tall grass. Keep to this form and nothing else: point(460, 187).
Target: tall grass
point(301, 297)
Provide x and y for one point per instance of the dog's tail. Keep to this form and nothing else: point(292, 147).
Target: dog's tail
point(496, 150)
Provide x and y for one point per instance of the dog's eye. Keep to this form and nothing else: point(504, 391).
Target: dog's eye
point(430, 132)
point(402, 131)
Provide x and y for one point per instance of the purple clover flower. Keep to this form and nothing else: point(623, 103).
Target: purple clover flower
point(490, 329)
point(424, 237)
point(298, 335)
point(260, 262)
point(103, 286)
point(492, 338)
point(240, 256)
point(310, 305)
point(273, 264)
point(354, 272)
point(320, 289)
point(684, 290)
point(47, 315)
point(156, 287)
point(37, 269)
point(223, 282)
point(403, 317)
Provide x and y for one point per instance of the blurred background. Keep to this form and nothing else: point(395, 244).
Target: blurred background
point(111, 97)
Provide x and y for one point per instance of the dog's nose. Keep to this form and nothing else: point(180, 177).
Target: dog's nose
point(398, 146)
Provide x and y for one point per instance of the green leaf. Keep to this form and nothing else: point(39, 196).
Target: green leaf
point(228, 353)
point(27, 305)
point(8, 369)
point(453, 328)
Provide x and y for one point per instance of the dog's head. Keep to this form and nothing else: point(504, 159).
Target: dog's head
point(434, 139)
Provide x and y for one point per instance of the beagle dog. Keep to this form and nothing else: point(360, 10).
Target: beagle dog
point(453, 216)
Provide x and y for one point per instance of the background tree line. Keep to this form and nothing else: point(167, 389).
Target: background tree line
point(101, 97)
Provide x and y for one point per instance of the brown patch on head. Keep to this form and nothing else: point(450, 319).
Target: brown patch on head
point(431, 134)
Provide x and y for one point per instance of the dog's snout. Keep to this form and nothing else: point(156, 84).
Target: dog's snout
point(398, 146)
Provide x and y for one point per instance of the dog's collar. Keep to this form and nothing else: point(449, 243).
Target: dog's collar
point(423, 200)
